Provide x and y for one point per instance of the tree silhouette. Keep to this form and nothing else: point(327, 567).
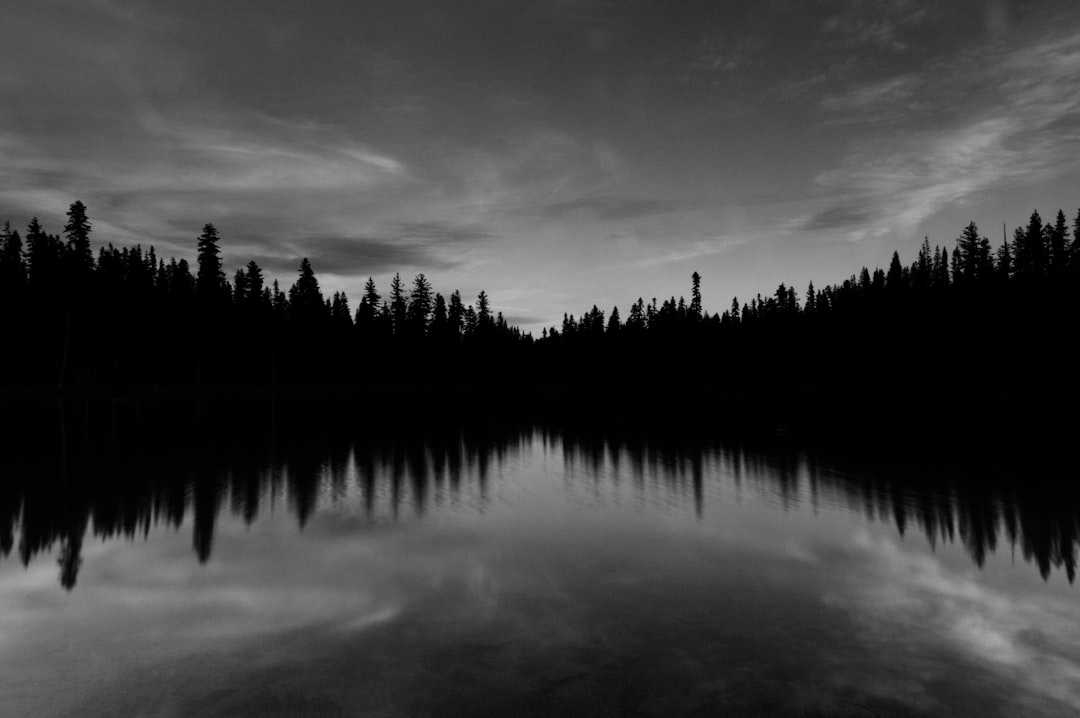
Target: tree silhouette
point(483, 311)
point(695, 294)
point(1058, 244)
point(305, 297)
point(1028, 251)
point(419, 309)
point(142, 323)
point(77, 232)
point(972, 260)
point(210, 279)
point(12, 265)
point(399, 306)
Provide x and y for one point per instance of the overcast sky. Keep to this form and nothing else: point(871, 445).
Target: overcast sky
point(558, 154)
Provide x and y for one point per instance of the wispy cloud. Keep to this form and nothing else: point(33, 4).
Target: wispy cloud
point(1024, 126)
point(420, 245)
point(614, 207)
point(881, 24)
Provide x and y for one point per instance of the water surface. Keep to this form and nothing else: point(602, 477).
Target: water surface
point(531, 572)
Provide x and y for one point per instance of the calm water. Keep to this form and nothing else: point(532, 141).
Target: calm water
point(529, 572)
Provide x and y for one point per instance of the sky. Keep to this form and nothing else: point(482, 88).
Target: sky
point(556, 154)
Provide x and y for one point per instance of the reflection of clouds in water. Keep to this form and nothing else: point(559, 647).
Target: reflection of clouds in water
point(256, 585)
point(1032, 640)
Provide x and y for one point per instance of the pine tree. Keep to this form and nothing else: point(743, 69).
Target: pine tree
point(1058, 244)
point(254, 283)
point(483, 310)
point(455, 315)
point(636, 319)
point(41, 256)
point(77, 232)
point(419, 309)
point(368, 309)
point(470, 320)
point(614, 325)
point(398, 305)
point(340, 314)
point(894, 280)
point(240, 286)
point(922, 269)
point(972, 257)
point(1074, 248)
point(305, 298)
point(1004, 262)
point(1028, 250)
point(12, 265)
point(371, 294)
point(210, 279)
point(439, 318)
point(695, 294)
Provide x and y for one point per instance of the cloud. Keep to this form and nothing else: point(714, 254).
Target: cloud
point(613, 207)
point(441, 233)
point(1025, 638)
point(525, 320)
point(1022, 125)
point(351, 256)
point(839, 217)
point(882, 25)
point(895, 94)
point(421, 245)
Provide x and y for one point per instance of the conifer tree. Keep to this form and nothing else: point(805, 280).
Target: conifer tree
point(1028, 250)
point(483, 310)
point(254, 283)
point(77, 232)
point(371, 294)
point(1004, 266)
point(439, 319)
point(1074, 248)
point(398, 305)
point(455, 314)
point(695, 294)
point(894, 280)
point(240, 285)
point(12, 265)
point(614, 325)
point(210, 279)
point(419, 309)
point(41, 256)
point(340, 314)
point(305, 298)
point(972, 257)
point(368, 308)
point(1058, 244)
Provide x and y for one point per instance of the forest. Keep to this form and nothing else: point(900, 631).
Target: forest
point(128, 323)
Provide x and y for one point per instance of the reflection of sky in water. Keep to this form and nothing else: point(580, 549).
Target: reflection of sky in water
point(552, 587)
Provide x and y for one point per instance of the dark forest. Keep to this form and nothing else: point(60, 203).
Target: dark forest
point(129, 323)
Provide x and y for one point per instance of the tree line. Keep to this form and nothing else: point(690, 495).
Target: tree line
point(975, 310)
point(129, 321)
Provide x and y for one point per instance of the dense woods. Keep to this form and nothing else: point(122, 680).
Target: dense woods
point(128, 322)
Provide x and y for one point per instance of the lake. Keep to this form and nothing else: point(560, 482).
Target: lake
point(528, 571)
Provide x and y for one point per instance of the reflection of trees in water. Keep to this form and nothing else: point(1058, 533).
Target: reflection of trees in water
point(52, 495)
